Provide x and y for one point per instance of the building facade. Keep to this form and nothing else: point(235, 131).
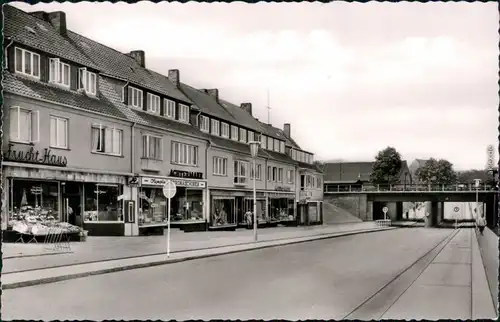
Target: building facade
point(92, 143)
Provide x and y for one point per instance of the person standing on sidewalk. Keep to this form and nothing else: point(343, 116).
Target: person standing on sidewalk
point(481, 223)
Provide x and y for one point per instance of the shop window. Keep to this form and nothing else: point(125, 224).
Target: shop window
point(184, 154)
point(313, 212)
point(24, 125)
point(222, 212)
point(281, 209)
point(58, 132)
point(220, 166)
point(34, 200)
point(240, 172)
point(261, 209)
point(151, 147)
point(106, 140)
point(101, 203)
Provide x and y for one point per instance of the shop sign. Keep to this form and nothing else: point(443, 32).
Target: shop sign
point(178, 182)
point(34, 156)
point(283, 189)
point(133, 181)
point(186, 174)
point(37, 190)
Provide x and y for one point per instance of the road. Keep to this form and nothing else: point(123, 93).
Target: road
point(325, 279)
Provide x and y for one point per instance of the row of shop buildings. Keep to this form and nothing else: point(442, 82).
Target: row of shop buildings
point(91, 136)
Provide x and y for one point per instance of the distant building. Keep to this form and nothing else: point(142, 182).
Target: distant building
point(414, 166)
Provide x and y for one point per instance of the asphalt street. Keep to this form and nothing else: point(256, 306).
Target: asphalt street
point(324, 279)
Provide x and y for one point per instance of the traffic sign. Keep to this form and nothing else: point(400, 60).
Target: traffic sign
point(385, 209)
point(169, 189)
point(456, 209)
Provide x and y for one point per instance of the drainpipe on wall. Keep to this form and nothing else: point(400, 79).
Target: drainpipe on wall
point(5, 52)
point(132, 148)
point(207, 197)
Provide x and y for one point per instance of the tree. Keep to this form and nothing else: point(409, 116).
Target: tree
point(320, 165)
point(437, 172)
point(468, 176)
point(387, 166)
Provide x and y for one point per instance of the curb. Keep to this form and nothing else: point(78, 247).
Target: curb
point(177, 260)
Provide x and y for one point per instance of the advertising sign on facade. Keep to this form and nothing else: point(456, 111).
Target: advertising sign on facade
point(147, 181)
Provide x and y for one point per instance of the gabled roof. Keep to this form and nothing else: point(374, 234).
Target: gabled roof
point(207, 104)
point(271, 131)
point(37, 90)
point(40, 34)
point(234, 145)
point(279, 156)
point(116, 64)
point(243, 117)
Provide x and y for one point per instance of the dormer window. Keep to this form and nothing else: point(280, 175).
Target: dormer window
point(270, 143)
point(183, 113)
point(169, 107)
point(87, 81)
point(250, 136)
point(135, 97)
point(205, 124)
point(276, 146)
point(282, 147)
point(234, 133)
point(59, 72)
point(153, 103)
point(215, 127)
point(224, 130)
point(27, 63)
point(243, 135)
point(263, 141)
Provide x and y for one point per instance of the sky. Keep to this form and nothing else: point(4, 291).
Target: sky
point(350, 78)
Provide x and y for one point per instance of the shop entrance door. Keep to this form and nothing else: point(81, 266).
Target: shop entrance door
point(71, 203)
point(239, 207)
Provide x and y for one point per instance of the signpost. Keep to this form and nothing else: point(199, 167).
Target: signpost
point(456, 209)
point(169, 190)
point(385, 210)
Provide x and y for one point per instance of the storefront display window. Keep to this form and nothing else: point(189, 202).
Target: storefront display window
point(281, 209)
point(101, 202)
point(34, 200)
point(187, 205)
point(222, 212)
point(152, 206)
point(313, 212)
point(261, 209)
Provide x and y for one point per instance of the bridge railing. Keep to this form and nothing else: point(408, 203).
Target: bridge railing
point(406, 187)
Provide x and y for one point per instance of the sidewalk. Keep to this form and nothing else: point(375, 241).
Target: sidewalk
point(452, 286)
point(106, 254)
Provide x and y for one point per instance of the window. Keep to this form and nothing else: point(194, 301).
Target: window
point(183, 113)
point(282, 147)
point(240, 172)
point(275, 174)
point(270, 143)
point(294, 155)
point(269, 173)
point(263, 141)
point(59, 72)
point(153, 103)
point(135, 97)
point(258, 169)
point(106, 140)
point(280, 175)
point(27, 63)
point(250, 136)
point(87, 81)
point(205, 124)
point(102, 202)
point(224, 129)
point(215, 127)
point(243, 135)
point(169, 107)
point(234, 133)
point(151, 147)
point(318, 182)
point(24, 125)
point(276, 145)
point(220, 166)
point(58, 132)
point(289, 176)
point(184, 154)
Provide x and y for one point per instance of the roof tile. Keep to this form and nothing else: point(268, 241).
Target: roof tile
point(207, 104)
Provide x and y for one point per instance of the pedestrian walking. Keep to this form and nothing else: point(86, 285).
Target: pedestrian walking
point(481, 223)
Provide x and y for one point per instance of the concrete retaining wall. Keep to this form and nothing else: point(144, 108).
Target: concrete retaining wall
point(488, 245)
point(355, 204)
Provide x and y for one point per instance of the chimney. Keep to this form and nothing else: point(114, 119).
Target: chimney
point(139, 56)
point(40, 15)
point(173, 76)
point(214, 92)
point(58, 20)
point(286, 129)
point(247, 107)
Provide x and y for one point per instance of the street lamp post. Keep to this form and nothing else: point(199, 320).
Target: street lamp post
point(477, 182)
point(254, 149)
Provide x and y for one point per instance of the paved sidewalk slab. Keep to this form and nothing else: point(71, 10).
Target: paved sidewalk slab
point(54, 274)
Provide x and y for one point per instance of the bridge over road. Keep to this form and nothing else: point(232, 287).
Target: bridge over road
point(366, 201)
